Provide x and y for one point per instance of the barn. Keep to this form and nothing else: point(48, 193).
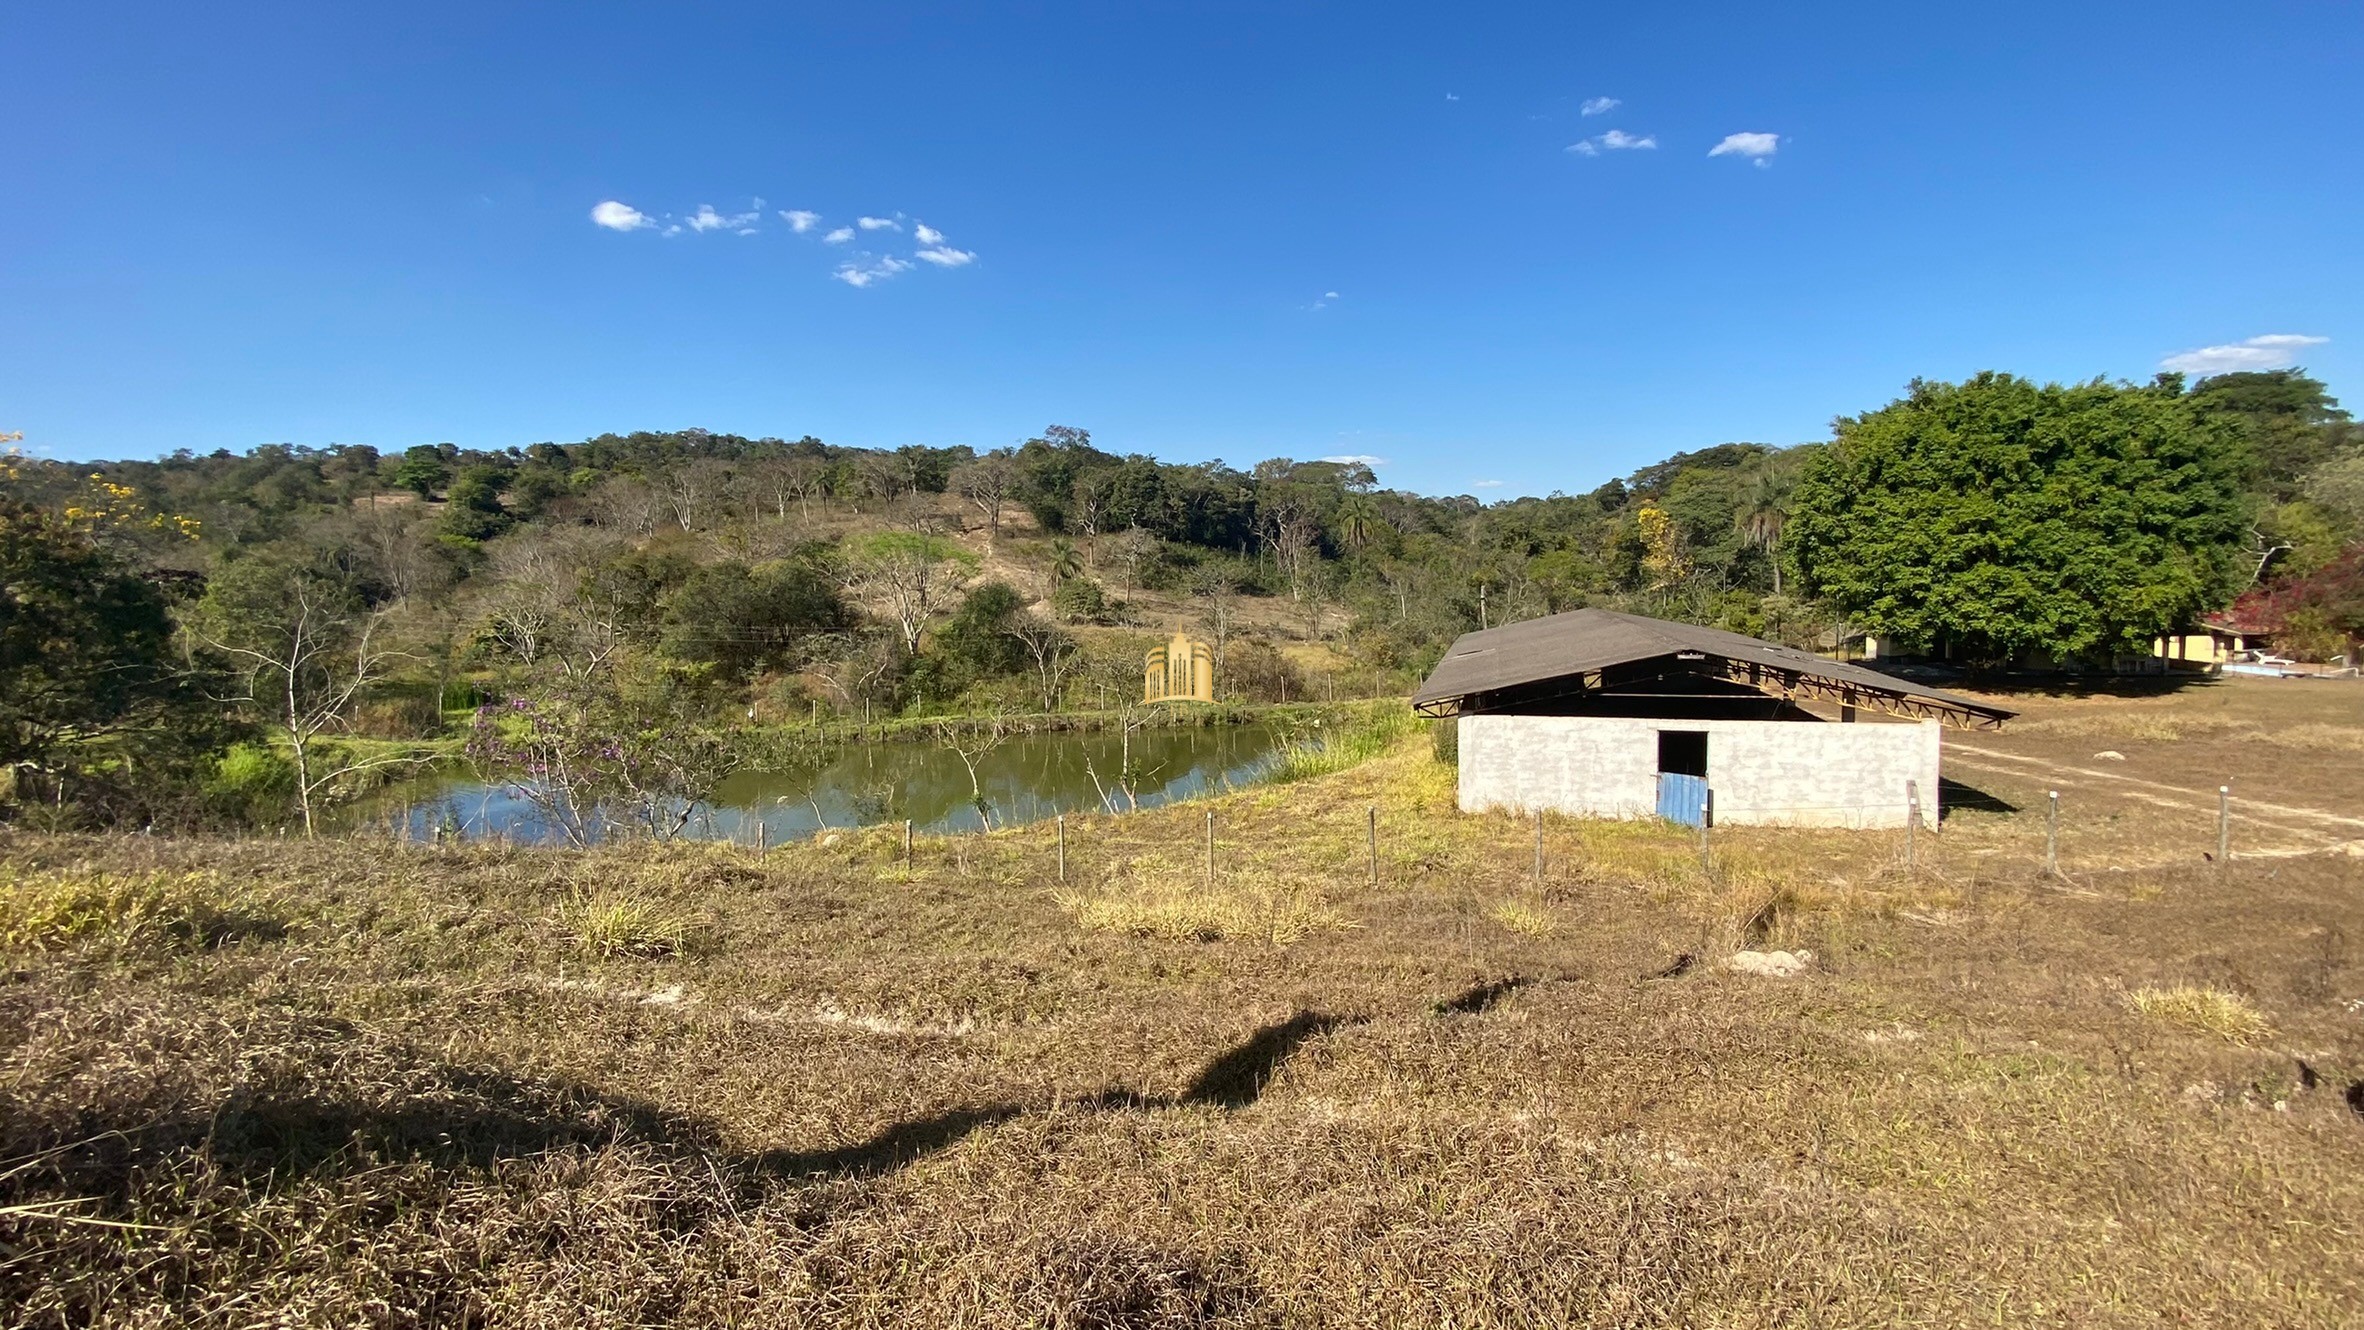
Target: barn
point(1601, 714)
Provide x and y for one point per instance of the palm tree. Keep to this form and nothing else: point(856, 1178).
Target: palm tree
point(1762, 514)
point(1066, 561)
point(1358, 521)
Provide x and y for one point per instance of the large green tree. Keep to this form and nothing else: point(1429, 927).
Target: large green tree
point(93, 696)
point(2003, 517)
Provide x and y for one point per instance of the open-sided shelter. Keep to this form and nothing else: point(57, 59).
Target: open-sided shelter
point(1603, 714)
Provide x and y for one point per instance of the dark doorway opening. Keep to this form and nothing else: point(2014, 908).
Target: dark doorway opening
point(1682, 752)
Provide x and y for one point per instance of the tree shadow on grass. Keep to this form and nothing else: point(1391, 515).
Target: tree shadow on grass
point(291, 1121)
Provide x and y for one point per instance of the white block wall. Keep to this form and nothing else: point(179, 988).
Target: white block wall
point(1766, 772)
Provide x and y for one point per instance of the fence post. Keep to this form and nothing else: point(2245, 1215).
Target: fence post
point(2224, 825)
point(906, 842)
point(1539, 847)
point(1912, 825)
point(762, 838)
point(1707, 819)
point(1210, 848)
point(2052, 833)
point(1062, 847)
point(1374, 845)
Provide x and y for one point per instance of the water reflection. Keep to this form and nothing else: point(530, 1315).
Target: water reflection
point(1026, 779)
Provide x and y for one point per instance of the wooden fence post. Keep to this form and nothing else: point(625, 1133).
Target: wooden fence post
point(906, 842)
point(1707, 821)
point(2052, 833)
point(1539, 847)
point(1062, 847)
point(1210, 848)
point(2224, 825)
point(1912, 825)
point(1374, 845)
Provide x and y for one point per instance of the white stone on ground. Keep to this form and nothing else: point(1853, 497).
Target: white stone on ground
point(1770, 964)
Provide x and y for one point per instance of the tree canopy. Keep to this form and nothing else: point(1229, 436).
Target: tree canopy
point(2001, 517)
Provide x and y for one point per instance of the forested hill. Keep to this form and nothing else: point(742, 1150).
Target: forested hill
point(713, 573)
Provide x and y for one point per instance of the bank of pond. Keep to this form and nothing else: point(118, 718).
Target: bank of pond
point(927, 781)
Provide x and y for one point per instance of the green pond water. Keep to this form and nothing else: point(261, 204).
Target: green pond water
point(1026, 779)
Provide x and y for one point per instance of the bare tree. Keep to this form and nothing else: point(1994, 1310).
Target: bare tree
point(970, 742)
point(307, 648)
point(1218, 593)
point(1053, 651)
point(1091, 502)
point(391, 541)
point(800, 478)
point(1135, 550)
point(987, 484)
point(627, 504)
point(909, 576)
point(883, 475)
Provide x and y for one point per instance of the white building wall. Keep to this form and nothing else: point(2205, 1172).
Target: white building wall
point(1770, 772)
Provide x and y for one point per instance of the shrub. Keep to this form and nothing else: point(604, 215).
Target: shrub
point(252, 782)
point(1080, 600)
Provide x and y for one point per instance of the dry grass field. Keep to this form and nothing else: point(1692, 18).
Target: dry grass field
point(270, 1083)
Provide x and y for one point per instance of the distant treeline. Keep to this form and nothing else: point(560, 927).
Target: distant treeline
point(199, 636)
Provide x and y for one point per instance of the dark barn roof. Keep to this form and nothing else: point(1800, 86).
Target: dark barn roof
point(1592, 653)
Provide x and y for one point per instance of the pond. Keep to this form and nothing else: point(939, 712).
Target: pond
point(1026, 779)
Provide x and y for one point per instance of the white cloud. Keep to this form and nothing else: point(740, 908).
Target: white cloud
point(1616, 140)
point(1485, 484)
point(706, 219)
point(620, 216)
point(1356, 459)
point(945, 256)
point(926, 234)
point(854, 274)
point(878, 223)
point(2272, 351)
point(1758, 148)
point(799, 220)
point(1598, 105)
point(838, 236)
point(1452, 96)
point(1327, 297)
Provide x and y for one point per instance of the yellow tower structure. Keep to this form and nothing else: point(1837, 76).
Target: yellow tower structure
point(1183, 670)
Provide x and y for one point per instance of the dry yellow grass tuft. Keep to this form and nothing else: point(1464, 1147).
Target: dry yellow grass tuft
point(2204, 1010)
point(1157, 897)
point(48, 911)
point(1523, 916)
point(620, 925)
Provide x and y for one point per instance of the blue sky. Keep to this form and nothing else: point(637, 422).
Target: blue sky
point(1199, 230)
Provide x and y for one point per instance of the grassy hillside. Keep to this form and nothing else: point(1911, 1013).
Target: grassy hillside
point(249, 1082)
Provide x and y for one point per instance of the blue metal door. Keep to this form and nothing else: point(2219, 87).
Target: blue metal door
point(1682, 798)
